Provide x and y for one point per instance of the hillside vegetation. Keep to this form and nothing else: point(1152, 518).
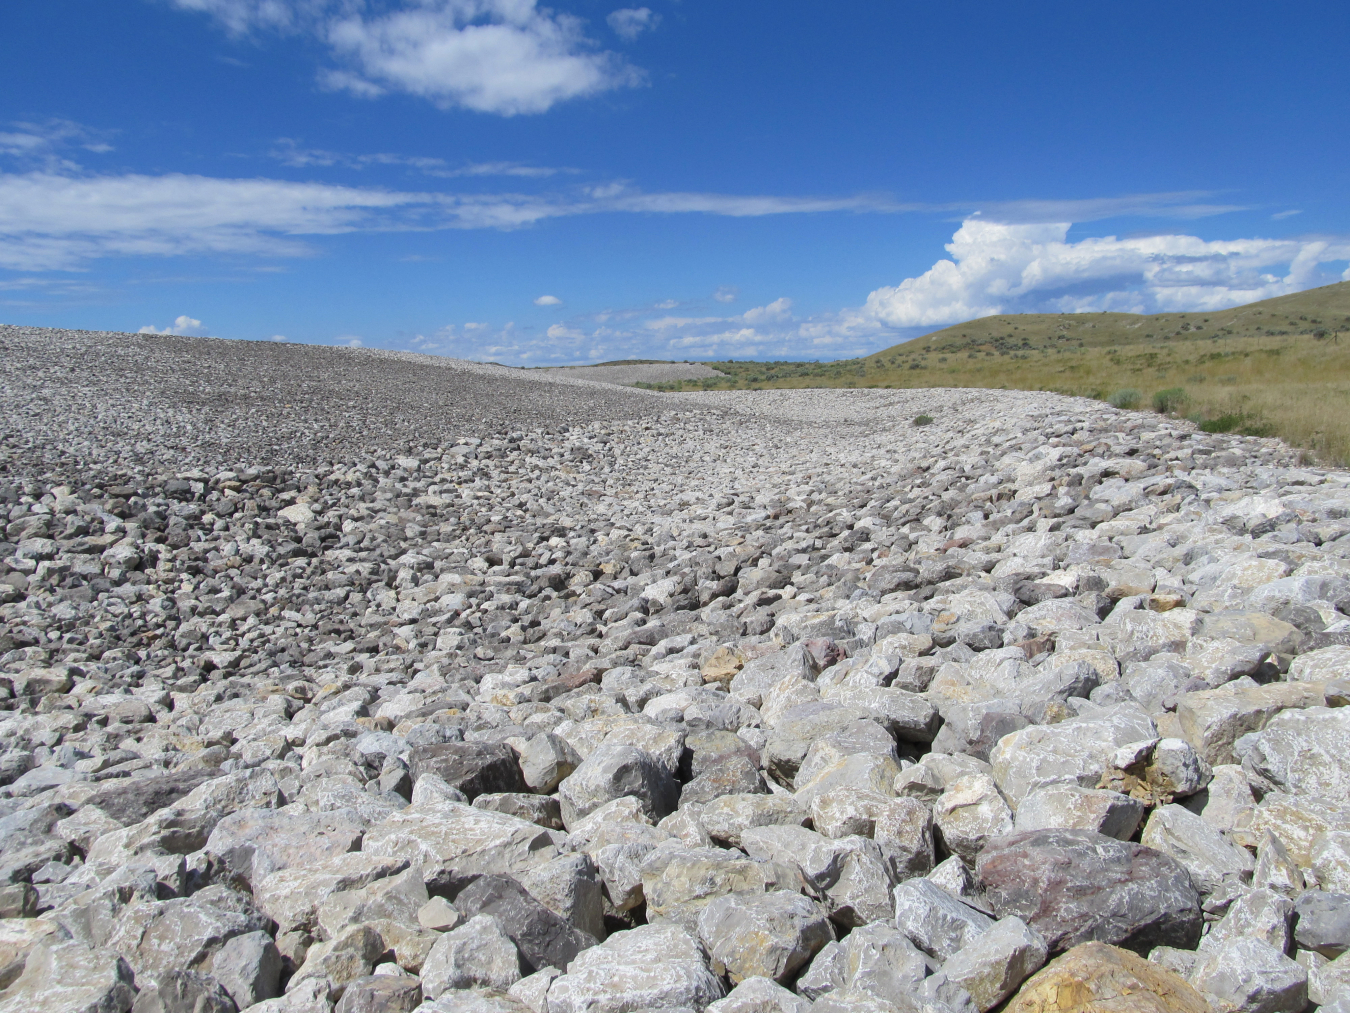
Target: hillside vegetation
point(1280, 367)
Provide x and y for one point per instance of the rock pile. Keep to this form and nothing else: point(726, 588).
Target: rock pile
point(750, 703)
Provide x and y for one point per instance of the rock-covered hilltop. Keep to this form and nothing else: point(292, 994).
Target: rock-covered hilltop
point(749, 702)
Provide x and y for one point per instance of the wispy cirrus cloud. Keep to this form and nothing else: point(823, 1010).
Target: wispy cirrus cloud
point(506, 57)
point(289, 152)
point(59, 221)
point(1181, 205)
point(63, 220)
point(48, 144)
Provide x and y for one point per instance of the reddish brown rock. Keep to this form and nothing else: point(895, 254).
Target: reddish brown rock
point(1075, 886)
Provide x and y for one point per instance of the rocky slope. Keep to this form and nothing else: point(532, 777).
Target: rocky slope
point(744, 702)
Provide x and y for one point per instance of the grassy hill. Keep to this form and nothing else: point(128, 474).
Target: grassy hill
point(1277, 367)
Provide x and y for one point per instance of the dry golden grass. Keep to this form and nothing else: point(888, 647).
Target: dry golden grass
point(1279, 367)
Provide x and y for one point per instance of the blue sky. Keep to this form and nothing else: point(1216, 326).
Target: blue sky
point(496, 179)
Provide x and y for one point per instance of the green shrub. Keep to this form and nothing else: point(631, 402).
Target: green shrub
point(1127, 398)
point(1173, 399)
point(1238, 422)
point(1223, 424)
point(923, 420)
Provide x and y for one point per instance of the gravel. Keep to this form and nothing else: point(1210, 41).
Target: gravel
point(136, 400)
point(310, 675)
point(637, 372)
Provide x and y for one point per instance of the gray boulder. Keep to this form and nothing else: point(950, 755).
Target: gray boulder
point(253, 843)
point(652, 967)
point(543, 937)
point(474, 768)
point(545, 760)
point(184, 933)
point(1071, 807)
point(1207, 855)
point(184, 992)
point(934, 920)
point(996, 962)
point(381, 993)
point(760, 995)
point(1322, 922)
point(540, 809)
point(767, 935)
point(1301, 752)
point(130, 800)
point(827, 971)
point(968, 813)
point(736, 775)
point(880, 960)
point(618, 771)
point(248, 967)
point(69, 977)
point(478, 954)
point(570, 885)
point(1249, 976)
point(903, 831)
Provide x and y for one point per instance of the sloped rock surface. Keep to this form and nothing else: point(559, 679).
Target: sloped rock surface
point(616, 699)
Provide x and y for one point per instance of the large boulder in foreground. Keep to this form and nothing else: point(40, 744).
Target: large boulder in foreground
point(1076, 886)
point(1104, 979)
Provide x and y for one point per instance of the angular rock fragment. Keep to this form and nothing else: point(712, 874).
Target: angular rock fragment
point(650, 967)
point(1097, 976)
point(474, 768)
point(544, 938)
point(996, 962)
point(477, 954)
point(1251, 976)
point(618, 771)
point(766, 935)
point(936, 921)
point(1073, 886)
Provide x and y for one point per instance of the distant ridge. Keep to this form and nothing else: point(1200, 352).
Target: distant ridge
point(1305, 312)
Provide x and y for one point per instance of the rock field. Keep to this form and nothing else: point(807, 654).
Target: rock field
point(334, 681)
point(642, 372)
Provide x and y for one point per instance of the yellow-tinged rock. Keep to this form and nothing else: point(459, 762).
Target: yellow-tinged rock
point(1097, 978)
point(722, 666)
point(1164, 602)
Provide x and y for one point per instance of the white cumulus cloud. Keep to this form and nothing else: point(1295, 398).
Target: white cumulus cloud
point(1003, 268)
point(548, 300)
point(726, 293)
point(181, 325)
point(779, 309)
point(994, 267)
point(494, 56)
point(630, 22)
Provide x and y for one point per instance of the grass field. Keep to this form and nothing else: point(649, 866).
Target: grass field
point(1275, 368)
